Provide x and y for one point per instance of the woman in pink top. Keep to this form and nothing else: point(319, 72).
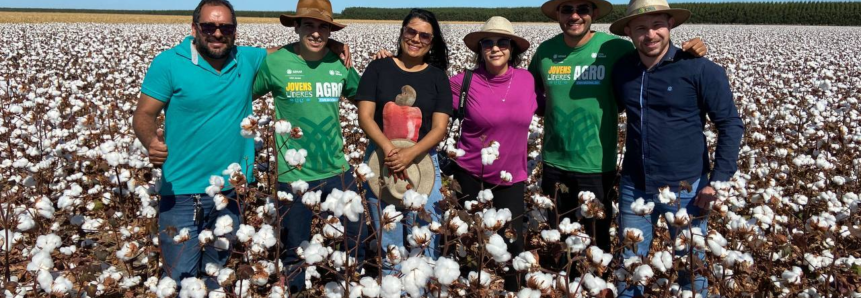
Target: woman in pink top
point(499, 108)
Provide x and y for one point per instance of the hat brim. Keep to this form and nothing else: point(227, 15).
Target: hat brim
point(424, 166)
point(290, 21)
point(549, 8)
point(472, 39)
point(679, 16)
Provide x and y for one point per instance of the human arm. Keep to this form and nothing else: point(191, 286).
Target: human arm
point(695, 47)
point(717, 102)
point(342, 50)
point(261, 82)
point(147, 131)
point(400, 158)
point(540, 97)
point(372, 130)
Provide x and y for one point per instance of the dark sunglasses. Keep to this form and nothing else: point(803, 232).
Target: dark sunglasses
point(582, 10)
point(424, 37)
point(502, 43)
point(210, 28)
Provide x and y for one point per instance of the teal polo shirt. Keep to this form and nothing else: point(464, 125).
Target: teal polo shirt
point(202, 114)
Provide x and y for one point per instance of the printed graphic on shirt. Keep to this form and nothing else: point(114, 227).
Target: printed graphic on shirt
point(303, 92)
point(580, 74)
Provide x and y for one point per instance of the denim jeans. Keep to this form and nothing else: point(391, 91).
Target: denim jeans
point(187, 259)
point(628, 219)
point(397, 236)
point(296, 225)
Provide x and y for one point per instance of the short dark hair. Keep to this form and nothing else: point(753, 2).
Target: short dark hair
point(514, 61)
point(196, 16)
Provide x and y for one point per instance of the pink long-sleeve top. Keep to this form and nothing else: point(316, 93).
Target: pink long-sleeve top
point(488, 118)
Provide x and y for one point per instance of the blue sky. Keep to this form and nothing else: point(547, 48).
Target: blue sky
point(267, 5)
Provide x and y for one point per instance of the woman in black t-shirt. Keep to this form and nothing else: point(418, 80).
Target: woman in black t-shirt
point(416, 73)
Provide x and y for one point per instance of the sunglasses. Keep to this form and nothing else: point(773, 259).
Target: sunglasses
point(502, 43)
point(210, 28)
point(424, 37)
point(582, 10)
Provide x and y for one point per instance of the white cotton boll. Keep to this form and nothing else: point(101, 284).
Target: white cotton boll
point(395, 254)
point(481, 279)
point(458, 226)
point(299, 187)
point(223, 225)
point(643, 274)
point(241, 287)
point(205, 237)
point(793, 276)
point(632, 236)
point(485, 196)
point(391, 287)
point(446, 271)
point(595, 284)
point(678, 219)
point(285, 197)
point(45, 280)
point(41, 261)
point(61, 285)
point(528, 293)
point(505, 176)
point(542, 202)
point(333, 229)
point(391, 217)
point(312, 198)
point(277, 292)
point(283, 127)
point(216, 184)
point(219, 293)
point(662, 260)
point(232, 169)
point(68, 250)
point(192, 287)
point(166, 288)
point(551, 236)
point(220, 201)
point(640, 207)
point(265, 236)
point(48, 242)
point(632, 261)
point(578, 242)
point(365, 171)
point(716, 243)
point(498, 249)
point(539, 280)
point(296, 158)
point(490, 154)
point(212, 269)
point(525, 261)
point(182, 236)
point(44, 207)
point(245, 233)
point(416, 272)
point(225, 275)
point(128, 251)
point(370, 287)
point(493, 219)
point(666, 195)
point(568, 228)
point(312, 253)
point(92, 224)
point(25, 221)
point(333, 290)
point(130, 282)
point(414, 201)
point(420, 236)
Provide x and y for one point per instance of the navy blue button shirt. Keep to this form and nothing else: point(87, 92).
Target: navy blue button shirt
point(667, 107)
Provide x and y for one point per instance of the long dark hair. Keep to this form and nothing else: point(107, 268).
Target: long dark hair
point(438, 54)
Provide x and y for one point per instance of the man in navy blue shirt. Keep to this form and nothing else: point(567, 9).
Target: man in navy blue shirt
point(668, 95)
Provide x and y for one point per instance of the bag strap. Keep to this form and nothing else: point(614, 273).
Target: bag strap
point(461, 110)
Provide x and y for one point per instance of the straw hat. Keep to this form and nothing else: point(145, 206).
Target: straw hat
point(495, 27)
point(312, 9)
point(644, 7)
point(549, 8)
point(420, 176)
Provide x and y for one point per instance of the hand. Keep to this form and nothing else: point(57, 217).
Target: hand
point(343, 52)
point(157, 149)
point(400, 158)
point(695, 47)
point(382, 54)
point(705, 198)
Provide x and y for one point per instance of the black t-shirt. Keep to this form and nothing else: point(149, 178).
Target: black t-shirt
point(382, 83)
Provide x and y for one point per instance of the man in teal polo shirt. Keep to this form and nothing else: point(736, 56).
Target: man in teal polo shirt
point(204, 87)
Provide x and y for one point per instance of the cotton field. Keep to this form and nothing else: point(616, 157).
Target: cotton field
point(79, 205)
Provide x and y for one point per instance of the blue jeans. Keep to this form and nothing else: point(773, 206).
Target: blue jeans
point(188, 258)
point(397, 236)
point(628, 219)
point(296, 225)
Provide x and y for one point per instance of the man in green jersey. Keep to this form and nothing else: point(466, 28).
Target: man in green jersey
point(307, 81)
point(572, 75)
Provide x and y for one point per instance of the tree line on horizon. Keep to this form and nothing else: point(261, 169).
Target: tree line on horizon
point(777, 13)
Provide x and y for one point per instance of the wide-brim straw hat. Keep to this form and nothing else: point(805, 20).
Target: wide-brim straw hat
point(549, 8)
point(420, 176)
point(313, 9)
point(646, 7)
point(495, 27)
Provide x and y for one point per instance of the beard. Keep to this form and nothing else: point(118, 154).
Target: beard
point(662, 46)
point(201, 42)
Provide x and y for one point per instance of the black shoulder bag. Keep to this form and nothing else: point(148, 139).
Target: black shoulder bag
point(446, 163)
